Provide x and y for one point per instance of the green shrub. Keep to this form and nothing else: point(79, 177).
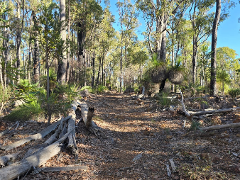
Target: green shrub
point(101, 89)
point(234, 92)
point(59, 100)
point(194, 126)
point(89, 88)
point(201, 89)
point(25, 112)
point(37, 103)
point(5, 95)
point(52, 79)
point(163, 99)
point(136, 89)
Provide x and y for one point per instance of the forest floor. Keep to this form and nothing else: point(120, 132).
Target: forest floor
point(140, 139)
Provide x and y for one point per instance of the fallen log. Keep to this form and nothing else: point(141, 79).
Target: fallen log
point(54, 137)
point(8, 130)
point(16, 169)
point(84, 112)
point(172, 165)
point(72, 146)
point(232, 125)
point(5, 159)
point(87, 114)
point(215, 111)
point(183, 112)
point(63, 130)
point(65, 168)
point(40, 135)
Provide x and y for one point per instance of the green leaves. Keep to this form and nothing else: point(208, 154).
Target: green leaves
point(223, 76)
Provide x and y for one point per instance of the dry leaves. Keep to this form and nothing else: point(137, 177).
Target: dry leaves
point(139, 143)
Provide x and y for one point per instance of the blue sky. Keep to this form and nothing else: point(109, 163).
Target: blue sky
point(228, 31)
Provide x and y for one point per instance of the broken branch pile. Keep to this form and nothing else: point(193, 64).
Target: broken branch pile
point(64, 131)
point(190, 116)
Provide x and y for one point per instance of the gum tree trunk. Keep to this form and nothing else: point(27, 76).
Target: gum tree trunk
point(213, 48)
point(62, 62)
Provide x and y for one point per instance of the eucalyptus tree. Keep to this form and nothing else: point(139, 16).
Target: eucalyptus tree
point(68, 17)
point(62, 62)
point(19, 24)
point(226, 60)
point(201, 19)
point(5, 42)
point(139, 55)
point(34, 8)
point(50, 38)
point(129, 23)
point(104, 41)
point(213, 48)
point(227, 67)
point(83, 13)
point(203, 63)
point(158, 14)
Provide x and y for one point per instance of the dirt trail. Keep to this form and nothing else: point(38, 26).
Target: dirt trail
point(139, 139)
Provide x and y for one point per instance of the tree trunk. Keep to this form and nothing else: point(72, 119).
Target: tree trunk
point(103, 69)
point(99, 69)
point(81, 34)
point(18, 39)
point(194, 60)
point(213, 48)
point(62, 62)
point(121, 59)
point(5, 55)
point(163, 43)
point(69, 49)
point(93, 69)
point(159, 37)
point(29, 60)
point(36, 50)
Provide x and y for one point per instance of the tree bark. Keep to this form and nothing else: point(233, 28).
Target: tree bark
point(19, 36)
point(194, 60)
point(36, 50)
point(164, 40)
point(69, 49)
point(93, 70)
point(16, 169)
point(213, 48)
point(40, 135)
point(159, 29)
point(5, 159)
point(233, 125)
point(62, 62)
point(215, 111)
point(64, 168)
point(6, 51)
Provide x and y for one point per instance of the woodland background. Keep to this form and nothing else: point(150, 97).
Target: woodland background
point(51, 48)
point(165, 107)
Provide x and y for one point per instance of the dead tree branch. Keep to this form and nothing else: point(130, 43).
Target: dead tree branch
point(40, 135)
point(16, 169)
